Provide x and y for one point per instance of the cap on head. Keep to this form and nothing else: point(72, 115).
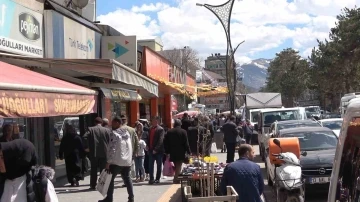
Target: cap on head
point(98, 120)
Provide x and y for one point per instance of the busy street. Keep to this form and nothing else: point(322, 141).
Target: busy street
point(179, 101)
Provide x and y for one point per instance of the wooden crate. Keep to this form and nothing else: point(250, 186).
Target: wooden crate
point(231, 196)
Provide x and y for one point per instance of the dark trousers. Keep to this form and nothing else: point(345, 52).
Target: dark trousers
point(146, 162)
point(230, 154)
point(158, 158)
point(125, 175)
point(248, 138)
point(97, 165)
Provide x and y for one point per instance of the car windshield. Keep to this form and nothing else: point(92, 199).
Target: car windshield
point(315, 140)
point(333, 125)
point(296, 125)
point(254, 117)
point(271, 117)
point(312, 109)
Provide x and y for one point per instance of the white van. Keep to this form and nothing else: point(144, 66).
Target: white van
point(269, 116)
point(345, 177)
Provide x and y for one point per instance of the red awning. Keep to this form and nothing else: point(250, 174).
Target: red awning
point(24, 93)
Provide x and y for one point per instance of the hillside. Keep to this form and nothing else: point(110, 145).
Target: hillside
point(255, 73)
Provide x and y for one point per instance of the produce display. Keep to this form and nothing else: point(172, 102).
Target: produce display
point(198, 166)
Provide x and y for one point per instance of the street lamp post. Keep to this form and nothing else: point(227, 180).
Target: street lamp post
point(223, 13)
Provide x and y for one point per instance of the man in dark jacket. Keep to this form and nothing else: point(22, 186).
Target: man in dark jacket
point(231, 132)
point(176, 146)
point(185, 122)
point(248, 131)
point(97, 138)
point(156, 149)
point(244, 175)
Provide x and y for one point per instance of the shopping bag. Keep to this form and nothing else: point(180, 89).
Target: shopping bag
point(103, 182)
point(213, 148)
point(168, 169)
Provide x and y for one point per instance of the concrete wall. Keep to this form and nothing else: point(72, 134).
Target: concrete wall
point(36, 5)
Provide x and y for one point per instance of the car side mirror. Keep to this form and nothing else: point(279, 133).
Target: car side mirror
point(303, 153)
point(277, 142)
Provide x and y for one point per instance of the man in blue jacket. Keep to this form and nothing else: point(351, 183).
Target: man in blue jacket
point(245, 176)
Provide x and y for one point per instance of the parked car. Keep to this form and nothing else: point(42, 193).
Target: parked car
point(320, 144)
point(333, 124)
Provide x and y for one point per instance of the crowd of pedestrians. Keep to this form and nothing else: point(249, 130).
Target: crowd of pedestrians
point(133, 152)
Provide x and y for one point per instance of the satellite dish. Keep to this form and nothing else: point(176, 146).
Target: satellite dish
point(80, 3)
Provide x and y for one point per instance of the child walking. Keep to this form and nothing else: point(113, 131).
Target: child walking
point(140, 156)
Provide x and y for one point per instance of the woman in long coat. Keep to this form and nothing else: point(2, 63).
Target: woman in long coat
point(177, 146)
point(72, 149)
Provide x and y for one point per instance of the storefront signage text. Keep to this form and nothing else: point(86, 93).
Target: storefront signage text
point(20, 47)
point(77, 44)
point(121, 94)
point(35, 104)
point(29, 26)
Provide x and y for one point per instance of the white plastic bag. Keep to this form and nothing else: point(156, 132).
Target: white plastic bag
point(213, 148)
point(103, 182)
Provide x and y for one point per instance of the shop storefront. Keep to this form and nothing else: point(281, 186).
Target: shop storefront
point(36, 102)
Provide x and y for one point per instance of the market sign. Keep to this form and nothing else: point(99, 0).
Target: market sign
point(18, 104)
point(121, 94)
point(20, 29)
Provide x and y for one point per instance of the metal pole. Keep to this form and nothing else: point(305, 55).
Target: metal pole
point(223, 13)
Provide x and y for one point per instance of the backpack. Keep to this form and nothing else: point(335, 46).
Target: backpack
point(36, 184)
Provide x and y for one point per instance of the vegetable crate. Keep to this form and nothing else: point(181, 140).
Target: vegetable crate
point(231, 196)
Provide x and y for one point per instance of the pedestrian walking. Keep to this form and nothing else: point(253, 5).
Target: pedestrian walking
point(72, 149)
point(248, 131)
point(140, 156)
point(97, 138)
point(185, 121)
point(156, 149)
point(119, 158)
point(177, 147)
point(208, 125)
point(7, 131)
point(105, 122)
point(230, 135)
point(17, 184)
point(195, 136)
point(134, 141)
point(244, 176)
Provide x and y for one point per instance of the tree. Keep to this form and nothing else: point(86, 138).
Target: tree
point(185, 58)
point(288, 75)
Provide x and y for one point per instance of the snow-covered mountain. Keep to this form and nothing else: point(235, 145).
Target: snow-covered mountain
point(255, 72)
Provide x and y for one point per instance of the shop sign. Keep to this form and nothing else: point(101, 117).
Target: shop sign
point(79, 41)
point(20, 29)
point(120, 48)
point(18, 104)
point(124, 95)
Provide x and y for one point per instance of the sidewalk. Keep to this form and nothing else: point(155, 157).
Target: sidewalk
point(163, 192)
point(143, 192)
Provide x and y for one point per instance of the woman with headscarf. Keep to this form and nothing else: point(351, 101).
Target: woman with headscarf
point(140, 156)
point(72, 149)
point(143, 135)
point(7, 131)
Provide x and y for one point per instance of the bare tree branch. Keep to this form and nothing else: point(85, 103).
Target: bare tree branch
point(186, 58)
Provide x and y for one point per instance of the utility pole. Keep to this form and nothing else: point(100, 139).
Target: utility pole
point(184, 63)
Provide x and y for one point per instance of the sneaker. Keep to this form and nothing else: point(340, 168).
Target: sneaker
point(142, 179)
point(164, 177)
point(157, 181)
point(151, 181)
